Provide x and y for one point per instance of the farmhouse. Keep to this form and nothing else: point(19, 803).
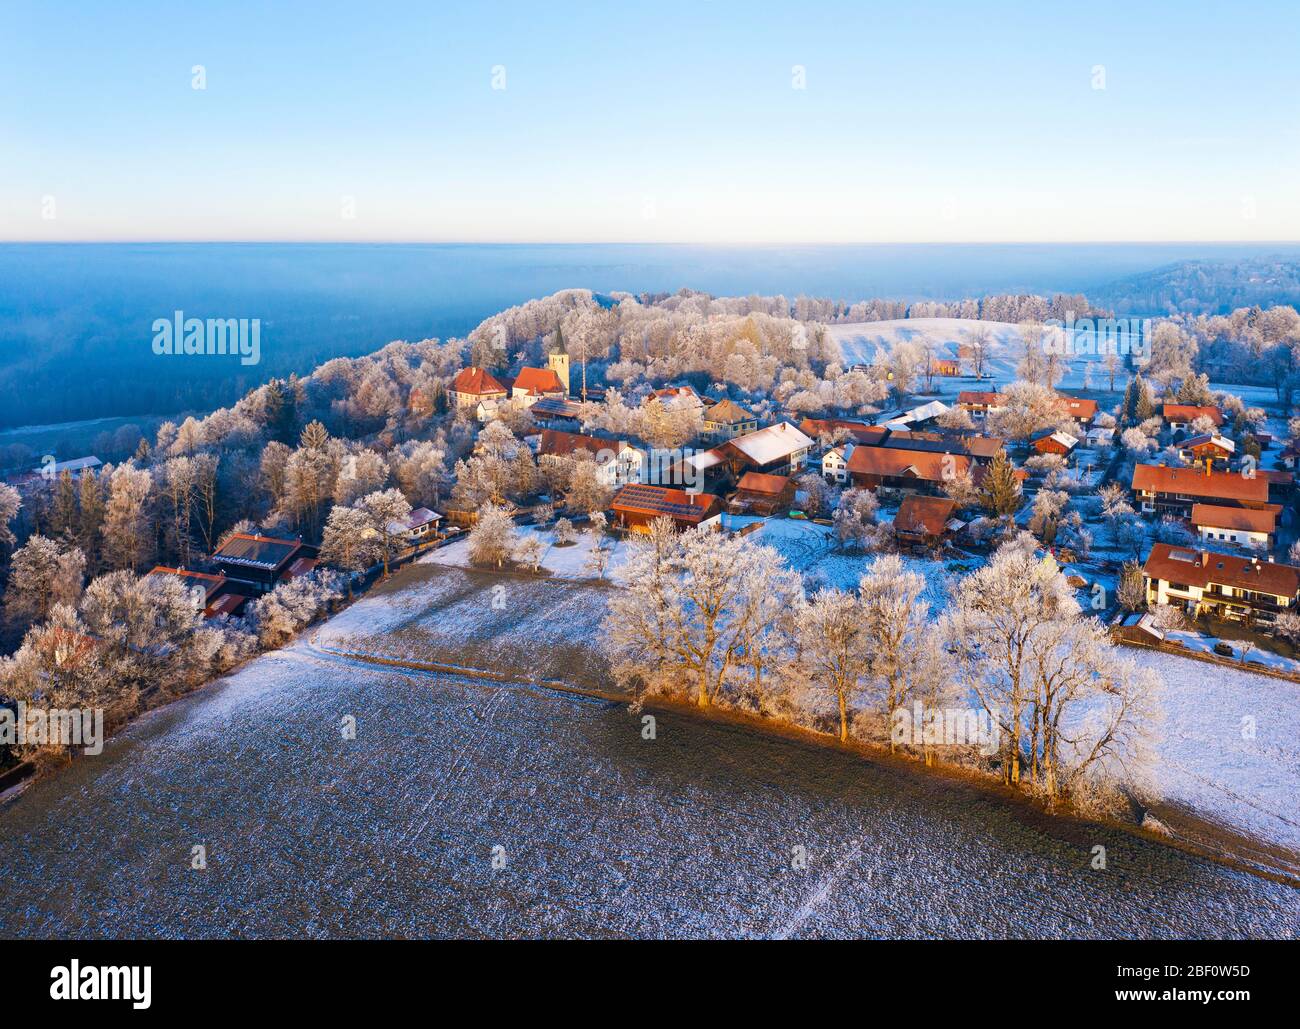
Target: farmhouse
point(835, 464)
point(1223, 586)
point(1244, 525)
point(1054, 442)
point(257, 561)
point(923, 521)
point(904, 471)
point(919, 417)
point(670, 395)
point(634, 507)
point(1181, 416)
point(473, 386)
point(1082, 411)
point(1164, 490)
point(780, 449)
point(1208, 449)
point(617, 462)
point(762, 494)
point(949, 367)
point(726, 419)
point(980, 449)
point(980, 401)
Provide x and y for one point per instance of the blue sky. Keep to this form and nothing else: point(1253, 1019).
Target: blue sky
point(665, 122)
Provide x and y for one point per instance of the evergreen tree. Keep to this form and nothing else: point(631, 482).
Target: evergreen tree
point(63, 515)
point(314, 437)
point(1146, 400)
point(1000, 490)
point(1128, 407)
point(91, 516)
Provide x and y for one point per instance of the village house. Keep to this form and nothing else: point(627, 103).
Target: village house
point(835, 464)
point(635, 506)
point(617, 462)
point(761, 494)
point(1251, 527)
point(1161, 490)
point(532, 384)
point(981, 449)
point(905, 471)
point(419, 527)
point(1053, 441)
point(726, 419)
point(924, 521)
point(671, 395)
point(1082, 411)
point(473, 386)
point(857, 432)
point(980, 402)
point(1180, 417)
point(780, 449)
point(212, 593)
point(919, 417)
point(260, 561)
point(1208, 450)
point(1222, 586)
point(948, 367)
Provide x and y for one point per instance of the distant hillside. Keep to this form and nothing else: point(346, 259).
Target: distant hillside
point(1204, 287)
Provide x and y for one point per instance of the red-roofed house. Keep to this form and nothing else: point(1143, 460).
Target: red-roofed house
point(762, 494)
point(1181, 416)
point(904, 471)
point(531, 384)
point(472, 386)
point(1252, 527)
point(1163, 490)
point(923, 520)
point(208, 589)
point(635, 506)
point(1224, 586)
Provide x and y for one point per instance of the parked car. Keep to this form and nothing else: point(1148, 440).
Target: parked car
point(1223, 649)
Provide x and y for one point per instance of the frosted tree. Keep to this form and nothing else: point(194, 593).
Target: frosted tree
point(128, 532)
point(493, 539)
point(293, 605)
point(833, 643)
point(10, 502)
point(895, 617)
point(350, 542)
point(387, 512)
point(41, 575)
point(530, 551)
point(360, 474)
point(855, 520)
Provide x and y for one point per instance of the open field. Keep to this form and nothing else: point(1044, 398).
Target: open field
point(603, 833)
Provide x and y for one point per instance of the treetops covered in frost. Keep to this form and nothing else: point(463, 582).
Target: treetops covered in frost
point(720, 620)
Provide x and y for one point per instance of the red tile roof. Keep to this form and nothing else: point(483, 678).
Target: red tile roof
point(1076, 407)
point(477, 382)
point(1190, 412)
point(556, 443)
point(757, 482)
point(1187, 567)
point(1246, 519)
point(1193, 482)
point(924, 516)
point(920, 464)
point(536, 381)
point(980, 398)
point(860, 431)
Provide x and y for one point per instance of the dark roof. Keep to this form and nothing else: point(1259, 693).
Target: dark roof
point(257, 551)
point(970, 445)
point(640, 498)
point(556, 407)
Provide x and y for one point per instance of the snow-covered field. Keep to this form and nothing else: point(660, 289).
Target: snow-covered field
point(595, 831)
point(1230, 745)
point(860, 341)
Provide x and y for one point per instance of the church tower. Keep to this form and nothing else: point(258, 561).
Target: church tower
point(559, 363)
